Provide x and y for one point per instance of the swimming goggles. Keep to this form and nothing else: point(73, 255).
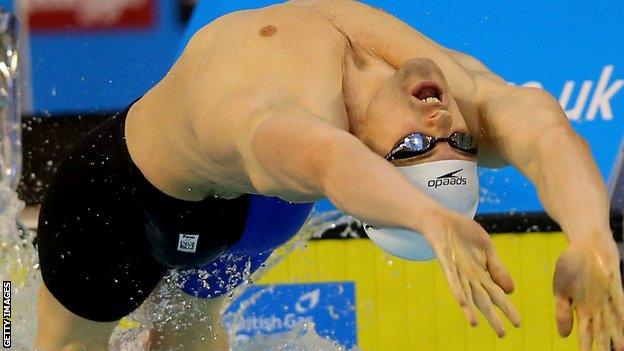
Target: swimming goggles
point(417, 144)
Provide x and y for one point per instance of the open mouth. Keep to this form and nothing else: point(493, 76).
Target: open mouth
point(428, 92)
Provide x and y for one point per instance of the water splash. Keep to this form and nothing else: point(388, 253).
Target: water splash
point(19, 264)
point(165, 306)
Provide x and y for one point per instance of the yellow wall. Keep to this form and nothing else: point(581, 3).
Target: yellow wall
point(404, 305)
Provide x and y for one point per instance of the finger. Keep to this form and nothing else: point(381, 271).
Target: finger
point(585, 333)
point(498, 272)
point(497, 295)
point(618, 298)
point(452, 277)
point(600, 333)
point(146, 338)
point(470, 308)
point(483, 302)
point(615, 329)
point(565, 316)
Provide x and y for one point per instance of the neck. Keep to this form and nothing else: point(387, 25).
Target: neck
point(363, 76)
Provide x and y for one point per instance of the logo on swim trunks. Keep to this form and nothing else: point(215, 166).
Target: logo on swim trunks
point(188, 243)
point(447, 179)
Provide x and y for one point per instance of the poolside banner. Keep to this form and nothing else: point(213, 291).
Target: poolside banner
point(46, 15)
point(291, 308)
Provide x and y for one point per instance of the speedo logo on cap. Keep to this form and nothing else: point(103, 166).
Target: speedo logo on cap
point(447, 179)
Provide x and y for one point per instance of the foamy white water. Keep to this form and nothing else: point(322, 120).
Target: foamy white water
point(302, 337)
point(19, 264)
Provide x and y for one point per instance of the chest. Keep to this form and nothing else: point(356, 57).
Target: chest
point(268, 58)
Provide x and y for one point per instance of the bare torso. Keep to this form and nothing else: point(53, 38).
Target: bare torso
point(183, 133)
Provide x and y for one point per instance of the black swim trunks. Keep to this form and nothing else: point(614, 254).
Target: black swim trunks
point(107, 236)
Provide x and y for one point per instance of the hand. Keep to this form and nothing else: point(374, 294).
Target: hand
point(472, 268)
point(587, 279)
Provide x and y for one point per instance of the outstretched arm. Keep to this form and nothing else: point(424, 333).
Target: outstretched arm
point(523, 126)
point(290, 151)
point(528, 129)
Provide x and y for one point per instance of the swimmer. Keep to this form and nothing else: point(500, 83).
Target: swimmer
point(270, 110)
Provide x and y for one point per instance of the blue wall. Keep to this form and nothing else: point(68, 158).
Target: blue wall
point(7, 5)
point(101, 71)
point(553, 43)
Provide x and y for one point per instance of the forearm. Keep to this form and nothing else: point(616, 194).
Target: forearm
point(293, 151)
point(363, 184)
point(570, 185)
point(528, 129)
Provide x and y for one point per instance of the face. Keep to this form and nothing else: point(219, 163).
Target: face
point(413, 99)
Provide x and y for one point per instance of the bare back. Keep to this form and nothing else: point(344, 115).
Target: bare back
point(183, 133)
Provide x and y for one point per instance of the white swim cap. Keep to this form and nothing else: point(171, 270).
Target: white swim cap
point(453, 183)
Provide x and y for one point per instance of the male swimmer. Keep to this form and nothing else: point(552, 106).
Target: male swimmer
point(269, 110)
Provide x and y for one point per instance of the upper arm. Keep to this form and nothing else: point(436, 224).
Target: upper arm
point(474, 65)
point(516, 121)
point(286, 151)
point(511, 120)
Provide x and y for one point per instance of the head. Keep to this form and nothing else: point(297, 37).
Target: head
point(385, 104)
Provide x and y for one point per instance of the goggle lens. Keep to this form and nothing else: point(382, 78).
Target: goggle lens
point(417, 144)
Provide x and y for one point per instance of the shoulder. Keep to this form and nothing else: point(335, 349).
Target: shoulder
point(281, 52)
